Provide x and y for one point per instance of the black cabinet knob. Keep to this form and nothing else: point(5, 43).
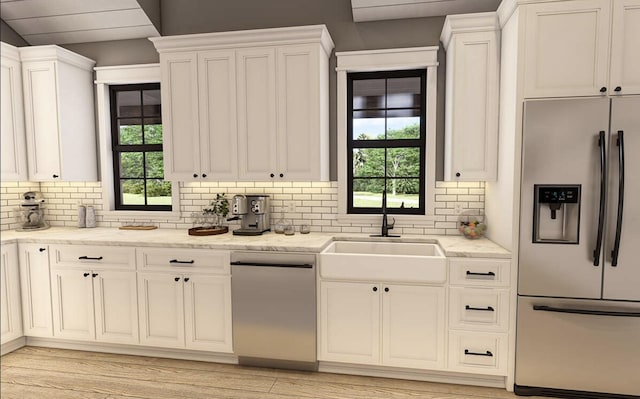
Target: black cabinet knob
point(272, 175)
point(204, 175)
point(386, 289)
point(55, 176)
point(375, 289)
point(42, 249)
point(94, 275)
point(86, 274)
point(186, 279)
point(457, 174)
point(281, 174)
point(176, 279)
point(618, 89)
point(195, 175)
point(603, 89)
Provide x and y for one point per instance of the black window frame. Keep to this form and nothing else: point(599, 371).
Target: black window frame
point(118, 148)
point(419, 143)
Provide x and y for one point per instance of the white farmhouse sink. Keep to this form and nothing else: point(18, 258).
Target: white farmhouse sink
point(383, 261)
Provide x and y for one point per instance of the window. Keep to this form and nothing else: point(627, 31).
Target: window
point(136, 137)
point(386, 130)
point(386, 118)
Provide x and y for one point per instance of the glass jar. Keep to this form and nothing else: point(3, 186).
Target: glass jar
point(305, 229)
point(289, 230)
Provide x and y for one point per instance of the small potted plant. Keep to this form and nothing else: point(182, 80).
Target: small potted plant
point(215, 217)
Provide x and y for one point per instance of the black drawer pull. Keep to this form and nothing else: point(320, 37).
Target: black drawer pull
point(468, 352)
point(470, 273)
point(42, 249)
point(89, 258)
point(487, 309)
point(189, 262)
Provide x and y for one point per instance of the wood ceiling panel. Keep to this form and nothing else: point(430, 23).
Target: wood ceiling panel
point(41, 8)
point(88, 36)
point(80, 22)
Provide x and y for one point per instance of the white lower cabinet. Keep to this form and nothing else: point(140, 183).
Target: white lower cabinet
point(479, 308)
point(190, 311)
point(94, 304)
point(382, 324)
point(10, 313)
point(36, 290)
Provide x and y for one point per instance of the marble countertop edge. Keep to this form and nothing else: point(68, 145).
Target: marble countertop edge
point(453, 246)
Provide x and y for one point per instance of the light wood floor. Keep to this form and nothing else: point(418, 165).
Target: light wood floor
point(32, 372)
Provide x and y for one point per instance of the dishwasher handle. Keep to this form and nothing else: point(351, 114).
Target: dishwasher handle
point(264, 264)
point(545, 308)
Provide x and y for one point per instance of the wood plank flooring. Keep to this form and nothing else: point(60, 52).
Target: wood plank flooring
point(33, 372)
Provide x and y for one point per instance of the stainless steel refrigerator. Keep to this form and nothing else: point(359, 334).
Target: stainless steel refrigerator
point(578, 316)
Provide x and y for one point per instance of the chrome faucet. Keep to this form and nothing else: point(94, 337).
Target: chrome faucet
point(385, 223)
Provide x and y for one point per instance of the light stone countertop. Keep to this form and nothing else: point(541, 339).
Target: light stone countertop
point(453, 246)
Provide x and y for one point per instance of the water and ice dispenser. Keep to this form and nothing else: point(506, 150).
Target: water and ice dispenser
point(556, 214)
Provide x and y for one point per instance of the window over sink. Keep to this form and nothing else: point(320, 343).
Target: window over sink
point(386, 133)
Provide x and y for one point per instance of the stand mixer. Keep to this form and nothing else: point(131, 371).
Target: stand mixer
point(31, 212)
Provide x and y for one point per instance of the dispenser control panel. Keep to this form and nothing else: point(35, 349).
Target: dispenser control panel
point(558, 194)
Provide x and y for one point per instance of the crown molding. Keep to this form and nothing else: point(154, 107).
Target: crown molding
point(128, 74)
point(468, 23)
point(246, 38)
point(55, 53)
point(387, 59)
point(10, 51)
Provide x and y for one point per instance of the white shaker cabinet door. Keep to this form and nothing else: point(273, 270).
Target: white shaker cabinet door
point(350, 322)
point(116, 306)
point(413, 326)
point(218, 119)
point(161, 307)
point(180, 126)
point(41, 120)
point(257, 134)
point(10, 314)
point(72, 298)
point(566, 48)
point(36, 290)
point(300, 148)
point(208, 312)
point(13, 145)
point(625, 47)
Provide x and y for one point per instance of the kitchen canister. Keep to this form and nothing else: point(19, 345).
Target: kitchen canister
point(82, 216)
point(91, 217)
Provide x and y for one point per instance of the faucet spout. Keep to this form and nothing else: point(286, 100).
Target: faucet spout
point(385, 222)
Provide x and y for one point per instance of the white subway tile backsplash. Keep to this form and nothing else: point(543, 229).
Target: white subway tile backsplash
point(316, 204)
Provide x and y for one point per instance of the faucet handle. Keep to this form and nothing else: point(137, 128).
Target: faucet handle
point(390, 226)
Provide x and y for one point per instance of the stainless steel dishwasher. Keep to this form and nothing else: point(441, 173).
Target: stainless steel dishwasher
point(274, 309)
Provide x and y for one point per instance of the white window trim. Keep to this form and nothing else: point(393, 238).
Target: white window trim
point(116, 75)
point(388, 60)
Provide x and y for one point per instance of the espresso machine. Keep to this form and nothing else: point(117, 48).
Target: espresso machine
point(253, 211)
point(31, 212)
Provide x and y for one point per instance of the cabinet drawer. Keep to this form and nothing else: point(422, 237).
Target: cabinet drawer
point(484, 353)
point(93, 256)
point(183, 259)
point(486, 272)
point(483, 309)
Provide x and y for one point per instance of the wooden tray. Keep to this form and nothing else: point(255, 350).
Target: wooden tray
point(138, 227)
point(202, 231)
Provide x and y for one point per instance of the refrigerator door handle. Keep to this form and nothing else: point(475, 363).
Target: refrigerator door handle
point(616, 243)
point(596, 252)
point(591, 312)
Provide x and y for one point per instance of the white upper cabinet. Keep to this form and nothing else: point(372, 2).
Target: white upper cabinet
point(13, 147)
point(198, 116)
point(59, 114)
point(247, 105)
point(582, 48)
point(472, 43)
point(625, 47)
